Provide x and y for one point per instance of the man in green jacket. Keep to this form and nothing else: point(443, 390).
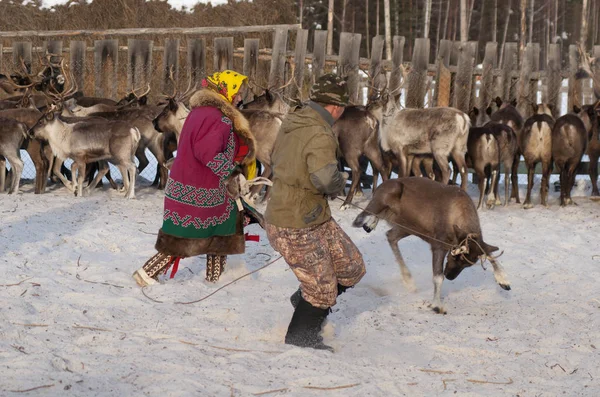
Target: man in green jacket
point(298, 219)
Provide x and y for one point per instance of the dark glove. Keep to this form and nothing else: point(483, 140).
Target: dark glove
point(345, 177)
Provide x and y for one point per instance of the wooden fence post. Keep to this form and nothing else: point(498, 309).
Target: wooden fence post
point(22, 51)
point(486, 86)
point(223, 54)
point(250, 65)
point(170, 61)
point(106, 60)
point(509, 63)
point(377, 79)
point(553, 79)
point(295, 90)
point(464, 78)
point(53, 47)
point(417, 78)
point(278, 58)
point(1, 57)
point(319, 51)
point(396, 75)
point(443, 77)
point(139, 65)
point(348, 62)
point(575, 97)
point(524, 94)
point(596, 70)
point(77, 62)
point(196, 60)
point(473, 98)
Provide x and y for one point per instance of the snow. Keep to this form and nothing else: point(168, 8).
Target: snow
point(73, 320)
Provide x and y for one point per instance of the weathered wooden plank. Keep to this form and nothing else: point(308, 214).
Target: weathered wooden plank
point(53, 47)
point(533, 82)
point(296, 90)
point(22, 53)
point(139, 65)
point(348, 62)
point(553, 79)
point(223, 53)
point(509, 63)
point(575, 92)
point(417, 78)
point(170, 62)
point(152, 31)
point(486, 88)
point(378, 80)
point(474, 50)
point(278, 58)
point(1, 57)
point(106, 60)
point(524, 94)
point(464, 78)
point(442, 75)
point(319, 53)
point(196, 60)
point(250, 65)
point(396, 73)
point(596, 70)
point(77, 62)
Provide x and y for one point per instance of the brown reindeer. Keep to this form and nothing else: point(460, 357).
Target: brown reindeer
point(441, 215)
point(12, 136)
point(536, 146)
point(483, 155)
point(591, 120)
point(569, 143)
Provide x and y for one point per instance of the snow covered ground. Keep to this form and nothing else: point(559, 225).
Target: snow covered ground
point(74, 323)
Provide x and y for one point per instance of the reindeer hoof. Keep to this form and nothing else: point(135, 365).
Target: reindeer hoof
point(344, 207)
point(439, 310)
point(359, 193)
point(505, 286)
point(410, 286)
point(527, 206)
point(490, 205)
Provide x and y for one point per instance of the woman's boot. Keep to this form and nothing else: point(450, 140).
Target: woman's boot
point(215, 266)
point(305, 327)
point(148, 274)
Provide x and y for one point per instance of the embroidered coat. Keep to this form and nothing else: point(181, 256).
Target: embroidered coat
point(199, 216)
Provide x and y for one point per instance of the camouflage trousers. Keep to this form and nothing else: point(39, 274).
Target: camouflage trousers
point(321, 257)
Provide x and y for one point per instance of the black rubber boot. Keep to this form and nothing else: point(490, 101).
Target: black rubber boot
point(296, 296)
point(305, 327)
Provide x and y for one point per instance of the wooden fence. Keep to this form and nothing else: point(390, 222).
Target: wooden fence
point(111, 62)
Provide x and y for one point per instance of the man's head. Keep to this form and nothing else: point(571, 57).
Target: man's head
point(331, 92)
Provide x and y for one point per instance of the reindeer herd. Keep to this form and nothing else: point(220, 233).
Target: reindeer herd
point(48, 117)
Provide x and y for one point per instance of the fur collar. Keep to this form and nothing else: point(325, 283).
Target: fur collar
point(241, 127)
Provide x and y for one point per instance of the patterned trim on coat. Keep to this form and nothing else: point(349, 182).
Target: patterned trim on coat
point(199, 224)
point(222, 165)
point(195, 196)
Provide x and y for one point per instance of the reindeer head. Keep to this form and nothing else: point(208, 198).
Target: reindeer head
point(470, 249)
point(479, 118)
point(48, 121)
point(174, 113)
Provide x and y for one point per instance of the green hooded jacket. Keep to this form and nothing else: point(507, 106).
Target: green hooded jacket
point(304, 169)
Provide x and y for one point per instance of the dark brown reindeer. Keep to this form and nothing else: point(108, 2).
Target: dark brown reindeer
point(591, 120)
point(569, 143)
point(536, 146)
point(483, 155)
point(441, 215)
point(509, 115)
point(357, 131)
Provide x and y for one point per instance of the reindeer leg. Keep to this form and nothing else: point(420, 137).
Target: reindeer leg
point(515, 177)
point(546, 170)
point(140, 153)
point(80, 177)
point(438, 256)
point(2, 174)
point(499, 274)
point(442, 160)
point(563, 182)
point(131, 191)
point(594, 173)
point(460, 164)
point(17, 169)
point(102, 170)
point(56, 171)
point(355, 167)
point(572, 173)
point(491, 200)
point(530, 173)
point(482, 181)
point(393, 236)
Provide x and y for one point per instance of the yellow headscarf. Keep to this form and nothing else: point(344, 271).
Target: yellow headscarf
point(226, 83)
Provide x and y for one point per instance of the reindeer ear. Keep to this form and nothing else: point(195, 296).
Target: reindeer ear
point(488, 248)
point(514, 102)
point(534, 107)
point(498, 101)
point(474, 111)
point(488, 111)
point(172, 104)
point(576, 109)
point(269, 96)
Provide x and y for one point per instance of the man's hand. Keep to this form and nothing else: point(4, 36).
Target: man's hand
point(232, 183)
point(345, 177)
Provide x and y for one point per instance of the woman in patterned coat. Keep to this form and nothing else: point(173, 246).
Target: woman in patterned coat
point(200, 215)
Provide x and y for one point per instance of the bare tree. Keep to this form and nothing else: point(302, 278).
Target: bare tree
point(508, 12)
point(427, 18)
point(330, 28)
point(378, 12)
point(531, 8)
point(584, 24)
point(446, 34)
point(388, 31)
point(495, 22)
point(367, 26)
point(464, 29)
point(523, 28)
point(344, 23)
